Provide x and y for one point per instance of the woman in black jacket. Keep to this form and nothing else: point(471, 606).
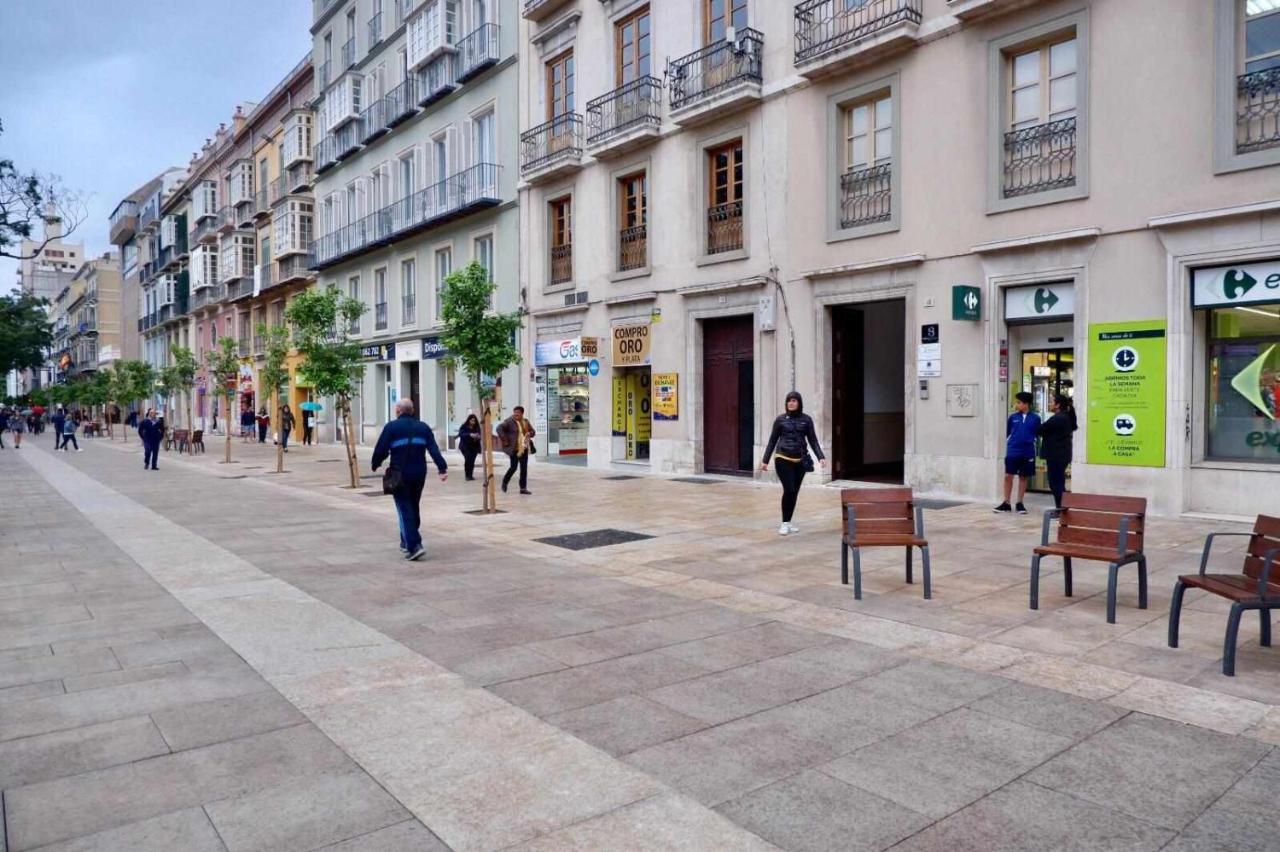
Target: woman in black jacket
point(469, 444)
point(1055, 445)
point(791, 431)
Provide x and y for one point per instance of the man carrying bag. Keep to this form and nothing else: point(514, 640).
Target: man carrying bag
point(407, 441)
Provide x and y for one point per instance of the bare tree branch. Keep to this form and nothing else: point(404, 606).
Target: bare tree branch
point(28, 199)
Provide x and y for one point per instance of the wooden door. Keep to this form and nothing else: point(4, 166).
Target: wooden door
point(728, 399)
point(846, 392)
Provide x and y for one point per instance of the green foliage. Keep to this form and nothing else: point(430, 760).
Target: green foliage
point(482, 340)
point(25, 331)
point(97, 390)
point(168, 383)
point(184, 367)
point(139, 380)
point(224, 363)
point(39, 396)
point(274, 373)
point(28, 199)
point(331, 359)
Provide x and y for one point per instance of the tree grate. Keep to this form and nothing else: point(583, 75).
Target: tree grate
point(938, 504)
point(696, 480)
point(592, 539)
point(620, 477)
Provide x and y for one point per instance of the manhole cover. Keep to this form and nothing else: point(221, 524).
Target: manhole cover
point(594, 538)
point(621, 477)
point(938, 504)
point(696, 480)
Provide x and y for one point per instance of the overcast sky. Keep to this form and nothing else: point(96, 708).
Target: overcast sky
point(107, 93)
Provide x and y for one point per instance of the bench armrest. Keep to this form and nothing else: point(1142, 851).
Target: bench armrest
point(1049, 515)
point(1122, 537)
point(920, 521)
point(1268, 559)
point(852, 515)
point(1208, 544)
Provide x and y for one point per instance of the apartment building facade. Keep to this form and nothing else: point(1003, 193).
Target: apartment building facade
point(94, 317)
point(416, 169)
point(124, 234)
point(909, 210)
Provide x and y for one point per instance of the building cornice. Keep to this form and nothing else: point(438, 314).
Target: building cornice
point(1037, 240)
point(1192, 218)
point(866, 266)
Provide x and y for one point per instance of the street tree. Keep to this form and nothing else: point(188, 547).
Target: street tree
point(96, 393)
point(28, 200)
point(184, 375)
point(274, 374)
point(331, 358)
point(138, 383)
point(223, 362)
point(25, 332)
point(483, 341)
point(167, 385)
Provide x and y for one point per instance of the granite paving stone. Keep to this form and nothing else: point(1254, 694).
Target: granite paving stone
point(48, 756)
point(407, 836)
point(188, 830)
point(625, 724)
point(205, 723)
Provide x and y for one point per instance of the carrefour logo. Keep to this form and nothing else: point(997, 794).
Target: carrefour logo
point(1248, 383)
point(1242, 284)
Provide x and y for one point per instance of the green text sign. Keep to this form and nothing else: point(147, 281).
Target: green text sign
point(1126, 422)
point(966, 303)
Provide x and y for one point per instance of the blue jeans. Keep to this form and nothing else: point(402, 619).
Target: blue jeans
point(284, 438)
point(149, 453)
point(407, 498)
point(1057, 470)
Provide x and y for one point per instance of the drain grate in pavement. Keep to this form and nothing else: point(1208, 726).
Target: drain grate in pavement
point(374, 494)
point(593, 538)
point(252, 467)
point(938, 504)
point(696, 480)
point(621, 477)
point(372, 476)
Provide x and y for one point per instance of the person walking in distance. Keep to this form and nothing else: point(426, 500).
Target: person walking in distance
point(150, 433)
point(1055, 445)
point(308, 424)
point(264, 423)
point(286, 426)
point(4, 424)
point(406, 441)
point(69, 426)
point(18, 426)
point(516, 435)
point(792, 430)
point(59, 417)
point(469, 445)
point(1020, 451)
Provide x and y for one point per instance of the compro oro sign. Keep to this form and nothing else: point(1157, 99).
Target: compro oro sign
point(1040, 302)
point(631, 345)
point(1241, 284)
point(1126, 423)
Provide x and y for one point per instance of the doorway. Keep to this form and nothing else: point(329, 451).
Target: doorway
point(1046, 373)
point(728, 398)
point(410, 384)
point(868, 377)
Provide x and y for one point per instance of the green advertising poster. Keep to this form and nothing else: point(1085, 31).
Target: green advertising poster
point(1127, 393)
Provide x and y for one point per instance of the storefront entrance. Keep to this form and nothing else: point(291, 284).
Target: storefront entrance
point(728, 401)
point(1045, 374)
point(568, 410)
point(632, 413)
point(410, 385)
point(868, 379)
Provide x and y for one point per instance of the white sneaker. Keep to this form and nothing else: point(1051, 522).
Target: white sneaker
point(784, 529)
point(792, 528)
point(78, 450)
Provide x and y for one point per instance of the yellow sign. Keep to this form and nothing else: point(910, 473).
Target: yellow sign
point(619, 405)
point(666, 403)
point(631, 345)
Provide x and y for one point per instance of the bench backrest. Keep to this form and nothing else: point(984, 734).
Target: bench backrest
point(198, 436)
point(1266, 536)
point(1094, 520)
point(179, 434)
point(879, 511)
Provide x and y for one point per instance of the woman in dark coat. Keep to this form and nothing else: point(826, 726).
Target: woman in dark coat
point(1055, 445)
point(469, 444)
point(791, 431)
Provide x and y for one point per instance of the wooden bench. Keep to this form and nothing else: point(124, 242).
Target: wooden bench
point(197, 441)
point(1254, 587)
point(179, 439)
point(881, 517)
point(1099, 528)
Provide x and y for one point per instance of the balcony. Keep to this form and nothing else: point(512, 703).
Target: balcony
point(625, 119)
point(456, 196)
point(409, 309)
point(373, 121)
point(833, 36)
point(246, 209)
point(477, 51)
point(124, 222)
point(239, 288)
point(226, 220)
point(561, 262)
point(349, 53)
point(346, 139)
point(171, 255)
point(1040, 158)
point(724, 228)
point(300, 177)
point(967, 10)
point(266, 276)
point(322, 77)
point(633, 248)
point(552, 149)
point(380, 316)
point(538, 10)
point(206, 231)
point(1258, 111)
point(294, 268)
point(718, 79)
point(438, 79)
point(375, 30)
point(401, 102)
point(866, 195)
point(164, 314)
point(326, 156)
point(208, 296)
point(242, 347)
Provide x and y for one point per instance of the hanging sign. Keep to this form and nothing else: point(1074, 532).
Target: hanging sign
point(567, 351)
point(966, 303)
point(631, 345)
point(433, 349)
point(666, 403)
point(1126, 419)
point(1242, 284)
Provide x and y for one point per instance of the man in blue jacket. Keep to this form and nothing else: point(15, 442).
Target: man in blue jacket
point(59, 417)
point(1020, 450)
point(151, 434)
point(407, 440)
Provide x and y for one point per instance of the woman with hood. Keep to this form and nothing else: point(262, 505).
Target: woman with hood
point(469, 444)
point(1055, 445)
point(791, 431)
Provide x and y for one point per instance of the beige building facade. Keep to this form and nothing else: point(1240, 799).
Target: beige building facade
point(909, 210)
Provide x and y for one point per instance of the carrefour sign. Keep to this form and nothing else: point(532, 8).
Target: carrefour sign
point(1239, 284)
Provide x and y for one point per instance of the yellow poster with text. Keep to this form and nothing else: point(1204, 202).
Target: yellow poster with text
point(1126, 402)
point(666, 403)
point(619, 425)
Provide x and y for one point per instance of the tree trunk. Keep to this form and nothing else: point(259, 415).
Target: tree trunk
point(348, 440)
point(275, 401)
point(486, 438)
point(191, 432)
point(227, 459)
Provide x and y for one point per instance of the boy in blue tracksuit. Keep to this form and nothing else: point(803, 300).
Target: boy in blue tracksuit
point(1020, 451)
point(406, 442)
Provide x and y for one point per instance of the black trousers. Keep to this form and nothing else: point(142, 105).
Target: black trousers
point(150, 451)
point(521, 462)
point(262, 433)
point(790, 474)
point(306, 434)
point(70, 439)
point(469, 462)
point(1057, 471)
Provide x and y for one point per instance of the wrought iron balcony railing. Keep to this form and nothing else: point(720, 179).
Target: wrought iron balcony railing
point(322, 76)
point(552, 140)
point(266, 276)
point(717, 67)
point(866, 195)
point(824, 25)
point(380, 316)
point(637, 104)
point(226, 219)
point(477, 51)
point(374, 120)
point(1040, 158)
point(1258, 111)
point(349, 53)
point(262, 202)
point(408, 309)
point(296, 267)
point(326, 153)
point(562, 263)
point(724, 227)
point(402, 102)
point(437, 79)
point(375, 30)
point(300, 176)
point(633, 248)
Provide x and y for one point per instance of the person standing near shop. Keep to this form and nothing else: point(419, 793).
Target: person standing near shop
point(792, 430)
point(18, 426)
point(150, 433)
point(286, 426)
point(469, 445)
point(308, 424)
point(1020, 451)
point(516, 435)
point(406, 441)
point(246, 422)
point(1055, 445)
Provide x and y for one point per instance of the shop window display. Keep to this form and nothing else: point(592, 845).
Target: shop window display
point(1243, 384)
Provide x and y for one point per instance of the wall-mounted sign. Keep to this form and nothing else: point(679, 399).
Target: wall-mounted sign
point(433, 348)
point(929, 333)
point(618, 424)
point(1126, 420)
point(631, 345)
point(1242, 284)
point(929, 360)
point(378, 352)
point(1040, 301)
point(666, 397)
point(573, 350)
point(966, 303)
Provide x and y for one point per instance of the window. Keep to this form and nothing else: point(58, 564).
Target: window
point(408, 293)
point(408, 180)
point(241, 182)
point(1261, 36)
point(1243, 383)
point(353, 291)
point(1255, 81)
point(482, 251)
point(633, 243)
point(380, 299)
point(719, 15)
point(277, 314)
point(632, 47)
point(262, 179)
point(1043, 84)
point(482, 150)
point(560, 85)
point(561, 240)
point(866, 177)
point(431, 31)
point(444, 266)
point(724, 198)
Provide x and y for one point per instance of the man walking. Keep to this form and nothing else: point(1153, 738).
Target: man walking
point(516, 435)
point(150, 433)
point(59, 417)
point(407, 440)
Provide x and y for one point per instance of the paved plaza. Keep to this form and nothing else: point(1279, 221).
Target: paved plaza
point(213, 657)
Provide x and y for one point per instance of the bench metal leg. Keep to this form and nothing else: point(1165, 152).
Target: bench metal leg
point(1142, 582)
point(1229, 643)
point(1035, 581)
point(1265, 639)
point(1066, 576)
point(857, 574)
point(1175, 613)
point(844, 564)
point(1113, 575)
point(909, 559)
point(928, 580)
